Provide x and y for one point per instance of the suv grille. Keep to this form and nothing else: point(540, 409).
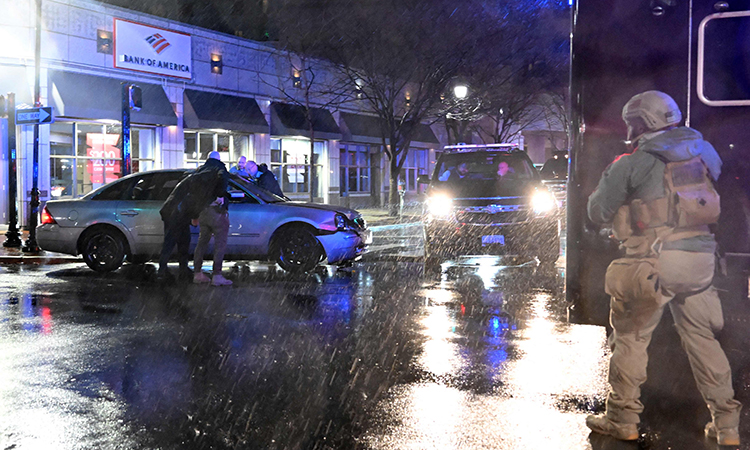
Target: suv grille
point(483, 218)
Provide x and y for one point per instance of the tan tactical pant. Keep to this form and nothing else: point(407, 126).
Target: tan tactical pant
point(213, 221)
point(697, 317)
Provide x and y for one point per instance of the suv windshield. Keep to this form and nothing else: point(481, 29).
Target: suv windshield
point(484, 166)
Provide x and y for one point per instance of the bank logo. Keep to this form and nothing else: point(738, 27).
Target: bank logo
point(158, 42)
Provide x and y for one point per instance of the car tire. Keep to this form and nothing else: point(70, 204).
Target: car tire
point(298, 250)
point(103, 250)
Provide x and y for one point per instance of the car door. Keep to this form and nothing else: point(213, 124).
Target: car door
point(138, 211)
point(247, 223)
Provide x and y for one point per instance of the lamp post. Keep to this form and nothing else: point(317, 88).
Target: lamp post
point(12, 236)
point(31, 244)
point(460, 93)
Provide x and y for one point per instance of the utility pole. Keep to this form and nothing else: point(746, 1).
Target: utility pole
point(12, 236)
point(31, 244)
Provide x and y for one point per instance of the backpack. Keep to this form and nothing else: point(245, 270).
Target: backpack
point(690, 198)
point(693, 200)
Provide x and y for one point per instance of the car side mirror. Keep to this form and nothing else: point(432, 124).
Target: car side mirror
point(423, 179)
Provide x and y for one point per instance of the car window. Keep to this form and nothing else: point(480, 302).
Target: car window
point(256, 190)
point(483, 166)
point(154, 187)
point(115, 191)
point(238, 195)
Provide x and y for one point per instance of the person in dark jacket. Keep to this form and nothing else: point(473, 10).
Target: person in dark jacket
point(264, 178)
point(214, 221)
point(184, 205)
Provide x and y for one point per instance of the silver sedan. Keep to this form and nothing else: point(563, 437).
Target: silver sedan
point(121, 221)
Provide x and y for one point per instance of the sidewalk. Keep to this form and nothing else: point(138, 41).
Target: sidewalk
point(377, 217)
point(18, 256)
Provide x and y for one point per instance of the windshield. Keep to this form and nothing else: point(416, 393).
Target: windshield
point(484, 166)
point(258, 191)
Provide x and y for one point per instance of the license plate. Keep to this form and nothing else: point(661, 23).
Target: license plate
point(493, 239)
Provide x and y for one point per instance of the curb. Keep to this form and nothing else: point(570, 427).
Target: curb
point(38, 259)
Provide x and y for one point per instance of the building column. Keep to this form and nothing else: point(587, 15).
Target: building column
point(262, 142)
point(334, 184)
point(172, 138)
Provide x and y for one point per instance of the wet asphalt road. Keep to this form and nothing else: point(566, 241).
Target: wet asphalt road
point(478, 356)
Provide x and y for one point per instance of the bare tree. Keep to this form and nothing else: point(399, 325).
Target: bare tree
point(399, 56)
point(307, 82)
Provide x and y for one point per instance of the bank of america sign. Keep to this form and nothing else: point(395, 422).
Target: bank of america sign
point(144, 48)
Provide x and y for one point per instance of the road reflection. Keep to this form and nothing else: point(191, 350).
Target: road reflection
point(502, 367)
point(380, 356)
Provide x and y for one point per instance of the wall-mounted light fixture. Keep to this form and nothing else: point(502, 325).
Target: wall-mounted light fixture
point(296, 78)
point(104, 42)
point(216, 65)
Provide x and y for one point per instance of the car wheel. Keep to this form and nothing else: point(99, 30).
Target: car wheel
point(103, 250)
point(298, 250)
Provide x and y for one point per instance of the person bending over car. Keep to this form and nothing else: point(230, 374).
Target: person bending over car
point(214, 221)
point(183, 207)
point(264, 178)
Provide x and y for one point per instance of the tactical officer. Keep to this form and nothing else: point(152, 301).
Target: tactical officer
point(661, 201)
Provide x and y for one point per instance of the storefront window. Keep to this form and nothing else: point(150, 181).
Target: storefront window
point(355, 168)
point(416, 164)
point(289, 162)
point(198, 144)
point(84, 156)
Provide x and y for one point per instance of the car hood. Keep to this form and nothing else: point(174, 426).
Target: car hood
point(324, 207)
point(475, 189)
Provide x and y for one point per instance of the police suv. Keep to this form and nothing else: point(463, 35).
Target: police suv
point(489, 199)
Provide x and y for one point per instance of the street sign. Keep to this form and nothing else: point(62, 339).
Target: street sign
point(42, 116)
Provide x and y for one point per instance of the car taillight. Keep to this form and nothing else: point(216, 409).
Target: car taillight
point(46, 217)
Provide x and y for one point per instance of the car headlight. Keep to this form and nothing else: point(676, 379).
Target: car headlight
point(543, 202)
point(340, 221)
point(440, 205)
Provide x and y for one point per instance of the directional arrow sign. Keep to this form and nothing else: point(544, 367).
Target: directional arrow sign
point(42, 116)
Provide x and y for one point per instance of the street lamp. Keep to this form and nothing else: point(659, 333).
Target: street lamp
point(460, 91)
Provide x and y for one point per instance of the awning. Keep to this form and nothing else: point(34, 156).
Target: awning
point(84, 96)
point(19, 81)
point(361, 128)
point(228, 112)
point(423, 133)
point(367, 130)
point(289, 120)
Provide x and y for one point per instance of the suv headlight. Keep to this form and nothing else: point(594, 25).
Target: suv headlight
point(543, 202)
point(440, 205)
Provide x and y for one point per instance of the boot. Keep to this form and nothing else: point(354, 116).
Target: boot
point(603, 425)
point(723, 436)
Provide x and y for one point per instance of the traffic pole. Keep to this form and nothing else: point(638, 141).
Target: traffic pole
point(31, 244)
point(125, 131)
point(12, 236)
